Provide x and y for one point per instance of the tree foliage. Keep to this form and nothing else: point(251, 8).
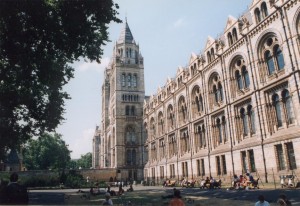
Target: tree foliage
point(85, 162)
point(47, 152)
point(38, 41)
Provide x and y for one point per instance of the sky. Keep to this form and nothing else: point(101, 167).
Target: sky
point(168, 32)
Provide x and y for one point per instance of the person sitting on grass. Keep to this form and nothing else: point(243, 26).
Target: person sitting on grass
point(107, 200)
point(130, 189)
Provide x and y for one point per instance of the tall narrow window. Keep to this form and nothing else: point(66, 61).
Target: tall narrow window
point(134, 80)
point(291, 156)
point(198, 168)
point(229, 37)
point(270, 62)
point(245, 122)
point(239, 80)
point(128, 157)
point(127, 110)
point(252, 118)
point(208, 57)
point(212, 54)
point(280, 157)
point(279, 57)
point(276, 103)
point(133, 157)
point(132, 111)
point(234, 35)
point(216, 93)
point(288, 106)
point(129, 80)
point(123, 80)
point(197, 103)
point(218, 165)
point(203, 137)
point(224, 129)
point(224, 169)
point(244, 161)
point(252, 161)
point(246, 77)
point(202, 167)
point(220, 89)
point(257, 15)
point(264, 9)
point(219, 126)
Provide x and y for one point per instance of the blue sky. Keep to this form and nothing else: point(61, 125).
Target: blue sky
point(168, 32)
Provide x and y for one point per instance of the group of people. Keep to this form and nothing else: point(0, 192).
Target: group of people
point(244, 181)
point(13, 192)
point(282, 201)
point(210, 183)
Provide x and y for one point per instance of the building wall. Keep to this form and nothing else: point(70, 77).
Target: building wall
point(236, 106)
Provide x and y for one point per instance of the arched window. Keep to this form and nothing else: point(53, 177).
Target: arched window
point(234, 35)
point(129, 80)
point(239, 80)
point(212, 52)
point(279, 57)
point(208, 57)
point(229, 37)
point(246, 77)
point(127, 55)
point(276, 103)
point(257, 15)
point(245, 121)
point(130, 52)
point(264, 9)
point(270, 62)
point(287, 100)
point(123, 80)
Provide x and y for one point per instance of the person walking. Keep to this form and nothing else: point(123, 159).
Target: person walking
point(16, 193)
point(176, 201)
point(107, 200)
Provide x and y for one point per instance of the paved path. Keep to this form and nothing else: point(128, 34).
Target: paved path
point(152, 195)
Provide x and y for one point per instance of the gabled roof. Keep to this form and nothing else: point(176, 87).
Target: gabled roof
point(192, 58)
point(230, 21)
point(209, 42)
point(126, 35)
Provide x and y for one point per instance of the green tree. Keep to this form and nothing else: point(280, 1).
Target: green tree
point(47, 152)
point(85, 161)
point(38, 42)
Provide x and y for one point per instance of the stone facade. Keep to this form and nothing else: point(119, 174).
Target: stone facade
point(119, 141)
point(235, 107)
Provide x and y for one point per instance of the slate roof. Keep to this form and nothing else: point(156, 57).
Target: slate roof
point(126, 35)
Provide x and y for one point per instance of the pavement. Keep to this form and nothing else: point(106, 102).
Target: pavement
point(153, 195)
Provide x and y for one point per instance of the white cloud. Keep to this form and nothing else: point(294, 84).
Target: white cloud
point(178, 23)
point(82, 144)
point(93, 66)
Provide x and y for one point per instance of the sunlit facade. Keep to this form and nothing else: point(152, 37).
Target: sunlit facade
point(235, 107)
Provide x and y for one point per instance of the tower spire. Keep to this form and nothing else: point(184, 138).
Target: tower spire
point(126, 35)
